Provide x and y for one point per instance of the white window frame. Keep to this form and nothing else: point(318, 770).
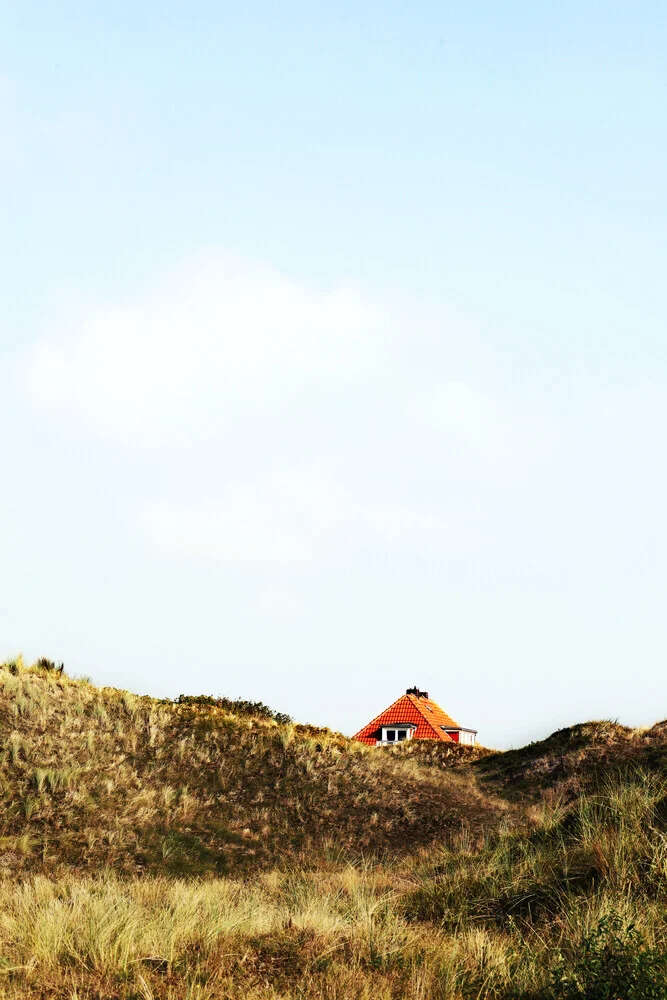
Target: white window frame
point(396, 729)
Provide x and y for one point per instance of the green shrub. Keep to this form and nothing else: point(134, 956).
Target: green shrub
point(238, 706)
point(613, 962)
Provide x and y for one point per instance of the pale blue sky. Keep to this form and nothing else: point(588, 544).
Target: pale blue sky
point(334, 354)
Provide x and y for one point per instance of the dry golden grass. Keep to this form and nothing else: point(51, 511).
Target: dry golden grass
point(153, 851)
point(103, 778)
point(340, 930)
point(334, 934)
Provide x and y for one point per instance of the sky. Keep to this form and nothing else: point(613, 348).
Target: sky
point(333, 353)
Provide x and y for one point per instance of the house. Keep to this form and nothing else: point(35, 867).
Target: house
point(414, 716)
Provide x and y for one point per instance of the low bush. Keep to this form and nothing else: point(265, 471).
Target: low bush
point(612, 962)
point(237, 706)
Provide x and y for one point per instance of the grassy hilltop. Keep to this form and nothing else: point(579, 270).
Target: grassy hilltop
point(98, 778)
point(152, 849)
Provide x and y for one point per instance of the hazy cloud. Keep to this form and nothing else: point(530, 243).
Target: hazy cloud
point(277, 602)
point(226, 340)
point(222, 333)
point(480, 423)
point(288, 518)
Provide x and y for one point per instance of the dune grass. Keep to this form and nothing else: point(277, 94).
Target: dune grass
point(155, 851)
point(103, 778)
point(453, 922)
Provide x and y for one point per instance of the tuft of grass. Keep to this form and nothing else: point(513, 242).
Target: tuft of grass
point(130, 703)
point(14, 666)
point(53, 779)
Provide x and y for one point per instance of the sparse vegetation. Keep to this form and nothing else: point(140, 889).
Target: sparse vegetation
point(237, 706)
point(152, 849)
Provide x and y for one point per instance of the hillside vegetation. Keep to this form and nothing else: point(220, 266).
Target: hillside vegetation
point(152, 849)
point(573, 760)
point(96, 778)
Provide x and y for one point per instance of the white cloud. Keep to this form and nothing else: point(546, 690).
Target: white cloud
point(226, 337)
point(289, 518)
point(242, 529)
point(222, 333)
point(229, 344)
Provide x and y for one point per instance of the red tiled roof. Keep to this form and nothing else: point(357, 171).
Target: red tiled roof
point(423, 712)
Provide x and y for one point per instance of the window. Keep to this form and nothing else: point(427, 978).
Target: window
point(396, 734)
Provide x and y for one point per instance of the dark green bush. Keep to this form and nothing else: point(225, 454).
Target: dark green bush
point(612, 964)
point(238, 706)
